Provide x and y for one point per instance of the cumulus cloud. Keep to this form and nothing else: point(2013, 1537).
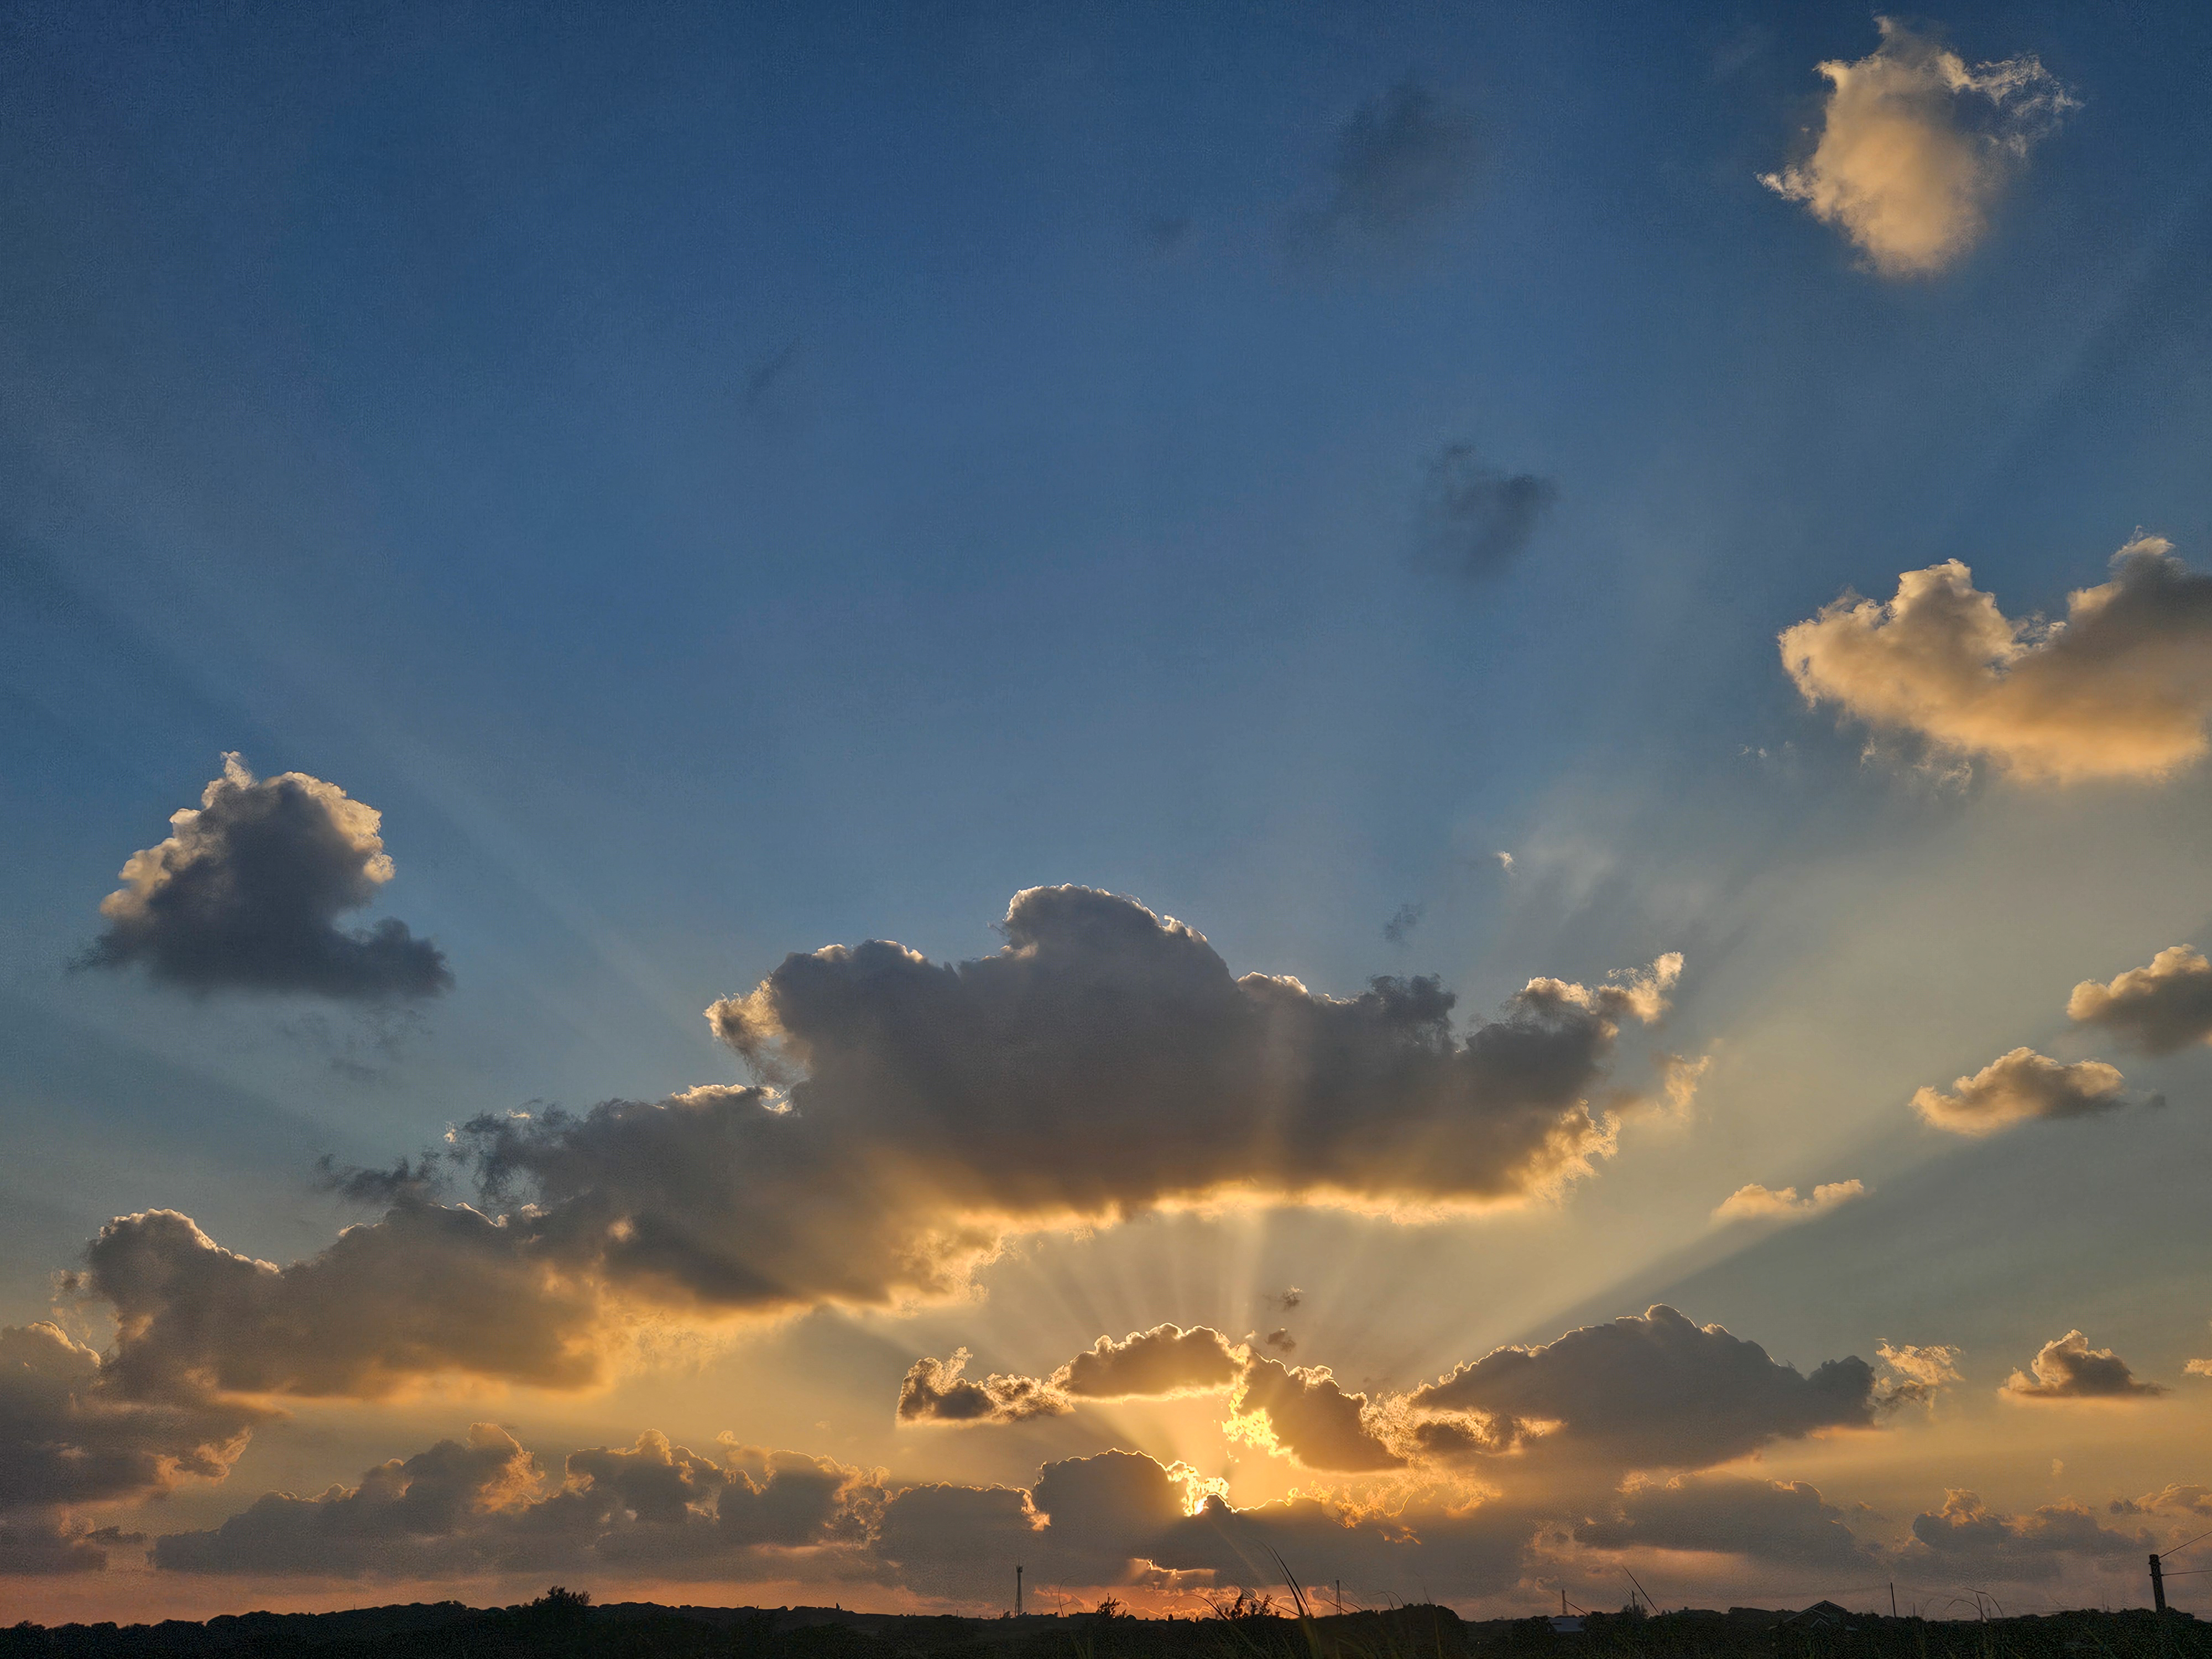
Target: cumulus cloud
point(1103, 1063)
point(1162, 1361)
point(69, 1433)
point(2178, 1497)
point(1399, 927)
point(1403, 160)
point(2158, 1009)
point(1915, 147)
point(1967, 1541)
point(429, 1288)
point(42, 1545)
point(2070, 1369)
point(934, 1391)
point(246, 892)
point(463, 1508)
point(2018, 1086)
point(1302, 1412)
point(1651, 1392)
point(1785, 1523)
point(1155, 1365)
point(2119, 689)
point(1476, 519)
point(1755, 1202)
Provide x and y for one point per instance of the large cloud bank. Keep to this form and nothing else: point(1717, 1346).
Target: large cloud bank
point(2121, 688)
point(1105, 1062)
point(246, 892)
point(1915, 147)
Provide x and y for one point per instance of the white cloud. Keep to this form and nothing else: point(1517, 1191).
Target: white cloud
point(2018, 1086)
point(1755, 1202)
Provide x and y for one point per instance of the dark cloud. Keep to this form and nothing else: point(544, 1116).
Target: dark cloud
point(2121, 689)
point(936, 1110)
point(70, 1434)
point(429, 1288)
point(1288, 1299)
point(1399, 927)
point(1403, 160)
point(2070, 1369)
point(1309, 1416)
point(934, 1391)
point(2158, 1009)
point(1786, 1524)
point(42, 1546)
point(1282, 1341)
point(1967, 1541)
point(1654, 1392)
point(1476, 519)
point(464, 1508)
point(247, 891)
point(1158, 1364)
point(1165, 1360)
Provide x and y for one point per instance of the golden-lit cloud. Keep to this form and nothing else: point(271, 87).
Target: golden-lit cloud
point(2068, 1368)
point(1303, 1412)
point(2019, 1086)
point(1754, 1202)
point(928, 1113)
point(247, 891)
point(2119, 689)
point(2158, 1009)
point(1915, 147)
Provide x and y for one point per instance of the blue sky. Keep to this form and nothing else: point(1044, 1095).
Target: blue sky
point(722, 482)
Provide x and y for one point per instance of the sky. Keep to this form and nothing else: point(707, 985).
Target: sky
point(802, 800)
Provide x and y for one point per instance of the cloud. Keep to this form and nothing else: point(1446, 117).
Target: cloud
point(2120, 689)
point(1785, 1523)
point(1155, 1365)
point(464, 1508)
point(934, 1391)
point(1308, 1416)
point(1158, 1364)
point(42, 1547)
point(427, 1288)
point(1968, 1541)
point(1403, 160)
point(2018, 1086)
point(1281, 1340)
point(1915, 1374)
point(1755, 1202)
point(2158, 1009)
point(1654, 1392)
point(1476, 519)
point(247, 891)
point(2070, 1369)
point(1915, 148)
point(70, 1434)
point(2176, 1499)
point(484, 1505)
point(1399, 927)
point(1104, 1063)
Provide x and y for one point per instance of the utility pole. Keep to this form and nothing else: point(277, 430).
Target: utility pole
point(2157, 1585)
point(1340, 1597)
point(1893, 1598)
point(1018, 1591)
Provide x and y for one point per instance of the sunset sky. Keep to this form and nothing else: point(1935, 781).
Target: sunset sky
point(802, 799)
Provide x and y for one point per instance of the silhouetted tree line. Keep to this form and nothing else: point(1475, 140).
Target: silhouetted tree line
point(564, 1622)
